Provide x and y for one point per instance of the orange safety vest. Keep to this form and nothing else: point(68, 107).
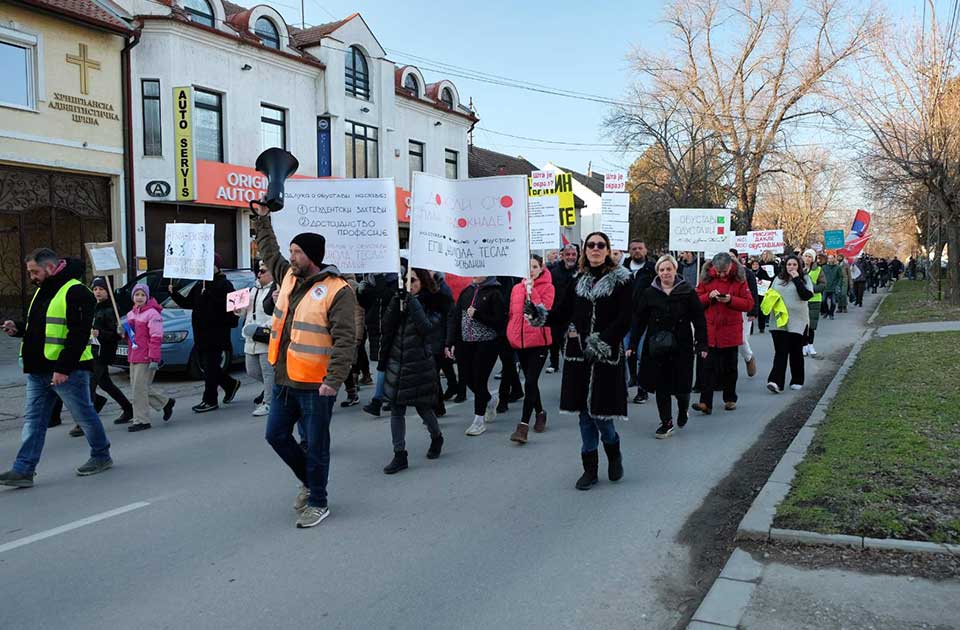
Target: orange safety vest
point(311, 345)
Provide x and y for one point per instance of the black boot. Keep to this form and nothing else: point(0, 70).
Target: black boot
point(399, 463)
point(98, 403)
point(436, 445)
point(374, 407)
point(614, 460)
point(591, 461)
point(126, 416)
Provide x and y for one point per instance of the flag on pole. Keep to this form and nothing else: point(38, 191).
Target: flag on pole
point(857, 237)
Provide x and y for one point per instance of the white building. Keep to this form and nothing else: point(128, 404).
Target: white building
point(327, 94)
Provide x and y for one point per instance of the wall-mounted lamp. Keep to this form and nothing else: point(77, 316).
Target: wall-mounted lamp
point(365, 109)
point(437, 124)
point(246, 67)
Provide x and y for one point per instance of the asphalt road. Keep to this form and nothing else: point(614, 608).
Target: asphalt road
point(194, 526)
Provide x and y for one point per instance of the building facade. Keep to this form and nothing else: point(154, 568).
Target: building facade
point(61, 134)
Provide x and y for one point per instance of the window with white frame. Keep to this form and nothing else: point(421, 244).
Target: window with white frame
point(18, 69)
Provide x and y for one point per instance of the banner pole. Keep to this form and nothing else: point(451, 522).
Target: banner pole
point(113, 302)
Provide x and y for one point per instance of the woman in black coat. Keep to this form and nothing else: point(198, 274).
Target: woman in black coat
point(670, 313)
point(411, 326)
point(595, 312)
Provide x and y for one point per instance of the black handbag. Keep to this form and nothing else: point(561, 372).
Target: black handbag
point(661, 343)
point(262, 334)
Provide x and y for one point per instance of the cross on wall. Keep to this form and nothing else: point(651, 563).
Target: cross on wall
point(84, 63)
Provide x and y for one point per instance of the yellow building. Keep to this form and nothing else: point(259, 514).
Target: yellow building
point(61, 133)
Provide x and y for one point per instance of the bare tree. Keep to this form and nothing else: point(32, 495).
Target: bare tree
point(750, 93)
point(909, 102)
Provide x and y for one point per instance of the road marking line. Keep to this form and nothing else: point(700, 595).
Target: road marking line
point(56, 531)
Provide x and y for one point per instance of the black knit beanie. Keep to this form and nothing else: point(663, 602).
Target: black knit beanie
point(313, 245)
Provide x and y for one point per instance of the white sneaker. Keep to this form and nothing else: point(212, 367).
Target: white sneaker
point(478, 426)
point(262, 410)
point(491, 412)
point(813, 351)
point(773, 387)
point(796, 387)
point(551, 370)
point(806, 351)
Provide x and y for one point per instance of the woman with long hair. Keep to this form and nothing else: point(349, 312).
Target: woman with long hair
point(595, 312)
point(410, 328)
point(531, 343)
point(786, 303)
point(670, 314)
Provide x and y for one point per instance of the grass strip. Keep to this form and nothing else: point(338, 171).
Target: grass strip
point(910, 302)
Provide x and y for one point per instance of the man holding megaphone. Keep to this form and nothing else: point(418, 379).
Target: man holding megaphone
point(313, 339)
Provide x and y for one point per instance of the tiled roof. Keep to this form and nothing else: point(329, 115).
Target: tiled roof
point(313, 35)
point(85, 11)
point(594, 182)
point(487, 163)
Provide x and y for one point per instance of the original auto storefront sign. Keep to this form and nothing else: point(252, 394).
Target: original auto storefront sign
point(220, 184)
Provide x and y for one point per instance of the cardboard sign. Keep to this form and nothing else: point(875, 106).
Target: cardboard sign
point(700, 229)
point(544, 223)
point(615, 182)
point(237, 300)
point(759, 241)
point(105, 257)
point(741, 243)
point(833, 239)
point(358, 218)
point(563, 188)
point(188, 251)
point(615, 218)
point(470, 227)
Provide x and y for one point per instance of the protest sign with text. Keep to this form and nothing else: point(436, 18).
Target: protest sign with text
point(759, 241)
point(614, 182)
point(105, 257)
point(700, 229)
point(544, 221)
point(470, 227)
point(239, 299)
point(615, 218)
point(543, 180)
point(563, 188)
point(357, 217)
point(188, 251)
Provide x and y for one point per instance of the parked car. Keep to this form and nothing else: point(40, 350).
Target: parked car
point(177, 349)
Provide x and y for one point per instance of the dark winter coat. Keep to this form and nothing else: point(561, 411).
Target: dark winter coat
point(105, 323)
point(491, 310)
point(374, 295)
point(593, 372)
point(80, 307)
point(724, 320)
point(642, 278)
point(681, 314)
point(410, 377)
point(212, 322)
point(752, 285)
point(441, 304)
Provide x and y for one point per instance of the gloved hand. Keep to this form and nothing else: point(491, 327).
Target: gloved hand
point(154, 365)
point(529, 309)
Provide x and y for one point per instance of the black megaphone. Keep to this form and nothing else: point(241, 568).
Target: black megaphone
point(277, 165)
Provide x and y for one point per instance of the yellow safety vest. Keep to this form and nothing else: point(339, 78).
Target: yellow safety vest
point(773, 301)
point(814, 276)
point(55, 333)
point(311, 345)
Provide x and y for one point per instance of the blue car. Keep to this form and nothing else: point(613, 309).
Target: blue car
point(177, 350)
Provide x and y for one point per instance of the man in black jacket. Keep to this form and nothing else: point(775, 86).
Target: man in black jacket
point(57, 360)
point(643, 272)
point(562, 274)
point(212, 324)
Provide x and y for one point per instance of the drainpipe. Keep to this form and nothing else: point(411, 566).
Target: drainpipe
point(127, 116)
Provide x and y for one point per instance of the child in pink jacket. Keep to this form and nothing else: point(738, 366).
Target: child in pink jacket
point(146, 325)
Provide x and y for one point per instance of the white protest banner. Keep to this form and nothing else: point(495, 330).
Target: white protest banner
point(470, 227)
point(105, 257)
point(759, 241)
point(700, 229)
point(740, 242)
point(542, 180)
point(357, 217)
point(188, 251)
point(544, 214)
point(614, 182)
point(615, 218)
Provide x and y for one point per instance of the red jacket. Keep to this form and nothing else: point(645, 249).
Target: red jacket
point(520, 333)
point(724, 320)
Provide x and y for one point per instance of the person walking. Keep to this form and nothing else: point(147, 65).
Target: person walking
point(815, 272)
point(688, 268)
point(643, 272)
point(352, 384)
point(786, 304)
point(832, 275)
point(256, 333)
point(410, 324)
point(670, 315)
point(531, 343)
point(595, 313)
point(445, 365)
point(374, 294)
point(510, 389)
point(746, 352)
point(313, 339)
point(562, 274)
point(146, 325)
point(56, 359)
point(844, 283)
point(212, 323)
point(859, 272)
point(725, 296)
point(475, 325)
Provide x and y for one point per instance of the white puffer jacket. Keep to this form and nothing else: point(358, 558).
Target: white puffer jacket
point(255, 315)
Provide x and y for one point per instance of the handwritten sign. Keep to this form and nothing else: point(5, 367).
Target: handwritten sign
point(471, 227)
point(700, 229)
point(357, 217)
point(759, 241)
point(614, 182)
point(615, 218)
point(543, 180)
point(188, 251)
point(105, 257)
point(833, 239)
point(237, 300)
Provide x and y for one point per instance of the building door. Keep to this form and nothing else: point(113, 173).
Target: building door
point(224, 231)
point(39, 208)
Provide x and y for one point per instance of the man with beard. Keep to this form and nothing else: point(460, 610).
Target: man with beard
point(562, 274)
point(313, 343)
point(57, 360)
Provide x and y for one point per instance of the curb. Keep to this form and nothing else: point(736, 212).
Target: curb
point(876, 312)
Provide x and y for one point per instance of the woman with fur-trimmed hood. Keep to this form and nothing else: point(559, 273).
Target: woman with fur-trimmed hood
point(595, 310)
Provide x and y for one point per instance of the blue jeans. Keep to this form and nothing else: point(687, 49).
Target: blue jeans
point(288, 407)
point(593, 430)
point(41, 395)
point(378, 387)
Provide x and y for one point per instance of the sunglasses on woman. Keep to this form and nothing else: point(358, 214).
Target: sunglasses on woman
point(261, 271)
point(596, 245)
